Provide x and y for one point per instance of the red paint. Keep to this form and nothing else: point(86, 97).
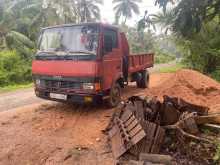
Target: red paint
point(108, 66)
point(140, 61)
point(65, 68)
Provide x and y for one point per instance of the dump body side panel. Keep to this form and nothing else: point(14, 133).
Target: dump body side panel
point(140, 62)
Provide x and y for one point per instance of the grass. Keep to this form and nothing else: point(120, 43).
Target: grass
point(10, 88)
point(172, 69)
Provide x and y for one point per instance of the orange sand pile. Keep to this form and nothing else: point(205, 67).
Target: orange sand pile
point(191, 86)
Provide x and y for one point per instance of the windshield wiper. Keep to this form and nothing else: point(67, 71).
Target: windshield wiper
point(81, 52)
point(47, 52)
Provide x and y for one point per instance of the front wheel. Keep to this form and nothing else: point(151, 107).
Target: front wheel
point(115, 96)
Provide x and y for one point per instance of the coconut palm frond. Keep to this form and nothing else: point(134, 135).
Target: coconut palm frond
point(13, 39)
point(126, 8)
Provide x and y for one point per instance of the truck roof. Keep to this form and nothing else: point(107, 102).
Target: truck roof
point(90, 23)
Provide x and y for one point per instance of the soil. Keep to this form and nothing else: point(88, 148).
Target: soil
point(191, 86)
point(54, 133)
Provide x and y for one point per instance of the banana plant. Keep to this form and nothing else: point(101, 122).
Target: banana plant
point(9, 38)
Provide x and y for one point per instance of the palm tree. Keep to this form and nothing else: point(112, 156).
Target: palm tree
point(65, 10)
point(125, 8)
point(88, 10)
point(164, 20)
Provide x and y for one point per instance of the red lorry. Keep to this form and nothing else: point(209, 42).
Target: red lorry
point(86, 63)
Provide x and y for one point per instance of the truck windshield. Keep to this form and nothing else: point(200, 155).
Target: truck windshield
point(71, 40)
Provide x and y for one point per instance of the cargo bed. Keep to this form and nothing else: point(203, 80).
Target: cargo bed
point(138, 62)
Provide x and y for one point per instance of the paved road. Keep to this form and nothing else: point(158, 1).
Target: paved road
point(23, 97)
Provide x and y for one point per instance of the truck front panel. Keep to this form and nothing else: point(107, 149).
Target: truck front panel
point(65, 68)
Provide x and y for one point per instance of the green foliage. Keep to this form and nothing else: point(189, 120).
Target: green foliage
point(88, 10)
point(216, 158)
point(125, 8)
point(191, 14)
point(164, 20)
point(146, 22)
point(163, 3)
point(162, 58)
point(139, 42)
point(13, 87)
point(204, 49)
point(196, 27)
point(21, 43)
point(14, 69)
point(216, 75)
point(146, 41)
point(172, 69)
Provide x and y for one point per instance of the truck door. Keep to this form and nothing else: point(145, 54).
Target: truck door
point(112, 61)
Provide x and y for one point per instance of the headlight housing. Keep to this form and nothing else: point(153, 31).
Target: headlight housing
point(88, 86)
point(40, 83)
point(92, 86)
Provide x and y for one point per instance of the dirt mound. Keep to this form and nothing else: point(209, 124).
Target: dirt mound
point(191, 86)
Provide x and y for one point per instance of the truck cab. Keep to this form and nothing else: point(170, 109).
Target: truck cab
point(82, 63)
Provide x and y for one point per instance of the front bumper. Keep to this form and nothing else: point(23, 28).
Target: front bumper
point(71, 97)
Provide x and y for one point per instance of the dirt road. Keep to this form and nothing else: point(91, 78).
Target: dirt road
point(55, 134)
point(19, 98)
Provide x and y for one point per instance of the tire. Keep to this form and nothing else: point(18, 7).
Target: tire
point(125, 67)
point(115, 96)
point(138, 77)
point(144, 82)
point(138, 83)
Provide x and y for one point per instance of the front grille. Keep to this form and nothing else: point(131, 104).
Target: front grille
point(60, 85)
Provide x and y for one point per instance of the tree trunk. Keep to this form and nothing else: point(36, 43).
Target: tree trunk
point(125, 20)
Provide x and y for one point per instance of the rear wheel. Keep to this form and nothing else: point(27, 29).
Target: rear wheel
point(144, 81)
point(115, 96)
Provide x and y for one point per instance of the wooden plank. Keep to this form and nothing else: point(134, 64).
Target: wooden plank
point(158, 140)
point(150, 131)
point(117, 144)
point(129, 121)
point(135, 130)
point(132, 125)
point(126, 115)
point(139, 110)
point(135, 139)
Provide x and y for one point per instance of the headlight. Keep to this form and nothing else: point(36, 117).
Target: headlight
point(38, 82)
point(88, 86)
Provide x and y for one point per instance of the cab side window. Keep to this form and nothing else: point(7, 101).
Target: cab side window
point(110, 40)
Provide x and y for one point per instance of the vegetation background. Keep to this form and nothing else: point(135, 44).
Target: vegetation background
point(189, 30)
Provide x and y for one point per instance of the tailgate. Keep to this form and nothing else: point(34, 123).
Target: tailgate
point(138, 62)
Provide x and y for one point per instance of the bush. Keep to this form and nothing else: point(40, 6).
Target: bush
point(216, 75)
point(14, 69)
point(161, 58)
